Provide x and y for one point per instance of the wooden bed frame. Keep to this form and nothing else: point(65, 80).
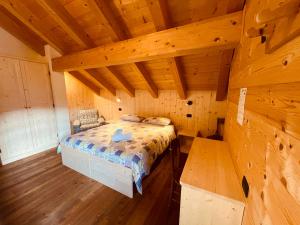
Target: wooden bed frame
point(110, 174)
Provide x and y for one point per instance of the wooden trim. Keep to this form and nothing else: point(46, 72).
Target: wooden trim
point(223, 79)
point(126, 86)
point(86, 82)
point(220, 33)
point(139, 68)
point(22, 33)
point(65, 21)
point(95, 74)
point(22, 13)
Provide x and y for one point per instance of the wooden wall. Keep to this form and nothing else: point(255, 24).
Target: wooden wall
point(79, 96)
point(204, 110)
point(266, 148)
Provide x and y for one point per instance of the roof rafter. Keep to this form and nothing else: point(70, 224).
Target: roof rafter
point(221, 33)
point(126, 86)
point(224, 75)
point(117, 28)
point(86, 81)
point(22, 33)
point(226, 58)
point(162, 21)
point(65, 20)
point(22, 13)
point(120, 32)
point(96, 77)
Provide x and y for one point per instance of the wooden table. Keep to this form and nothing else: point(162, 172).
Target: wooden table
point(211, 193)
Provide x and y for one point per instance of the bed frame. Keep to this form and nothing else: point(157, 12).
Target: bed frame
point(110, 174)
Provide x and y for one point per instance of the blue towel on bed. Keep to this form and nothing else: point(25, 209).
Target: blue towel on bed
point(119, 136)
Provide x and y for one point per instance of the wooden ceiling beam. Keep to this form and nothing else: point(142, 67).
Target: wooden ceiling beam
point(219, 33)
point(119, 32)
point(21, 32)
point(116, 28)
point(139, 68)
point(161, 19)
point(178, 78)
point(223, 78)
point(23, 14)
point(126, 86)
point(64, 19)
point(66, 22)
point(97, 76)
point(160, 15)
point(86, 82)
point(69, 25)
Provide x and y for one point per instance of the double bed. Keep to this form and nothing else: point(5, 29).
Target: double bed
point(118, 165)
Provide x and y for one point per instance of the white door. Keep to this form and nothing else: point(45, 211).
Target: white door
point(15, 133)
point(39, 99)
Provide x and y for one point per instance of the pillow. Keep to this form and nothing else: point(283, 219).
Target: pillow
point(163, 121)
point(132, 118)
point(88, 116)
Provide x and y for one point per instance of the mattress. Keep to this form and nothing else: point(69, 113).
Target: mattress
point(148, 142)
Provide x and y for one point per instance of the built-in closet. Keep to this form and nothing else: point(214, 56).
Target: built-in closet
point(27, 118)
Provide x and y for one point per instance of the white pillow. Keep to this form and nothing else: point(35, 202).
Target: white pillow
point(163, 121)
point(132, 118)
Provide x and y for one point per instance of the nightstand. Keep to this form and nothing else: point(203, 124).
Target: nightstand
point(185, 139)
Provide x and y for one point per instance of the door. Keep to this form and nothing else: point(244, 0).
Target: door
point(40, 104)
point(15, 132)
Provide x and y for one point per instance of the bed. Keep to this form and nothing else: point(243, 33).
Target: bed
point(117, 165)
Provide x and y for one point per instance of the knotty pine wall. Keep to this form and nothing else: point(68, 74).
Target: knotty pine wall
point(266, 149)
point(79, 96)
point(204, 110)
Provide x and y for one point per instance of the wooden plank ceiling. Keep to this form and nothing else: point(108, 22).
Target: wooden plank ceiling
point(75, 25)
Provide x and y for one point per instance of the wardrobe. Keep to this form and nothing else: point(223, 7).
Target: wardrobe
point(27, 117)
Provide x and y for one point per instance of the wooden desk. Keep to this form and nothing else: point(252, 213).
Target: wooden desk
point(211, 193)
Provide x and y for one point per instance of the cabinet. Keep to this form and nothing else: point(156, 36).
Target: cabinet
point(211, 193)
point(27, 119)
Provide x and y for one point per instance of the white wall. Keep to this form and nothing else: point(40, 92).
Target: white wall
point(12, 47)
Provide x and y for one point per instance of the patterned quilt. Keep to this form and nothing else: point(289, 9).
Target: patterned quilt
point(148, 142)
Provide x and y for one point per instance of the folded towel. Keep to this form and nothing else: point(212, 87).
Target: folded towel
point(119, 136)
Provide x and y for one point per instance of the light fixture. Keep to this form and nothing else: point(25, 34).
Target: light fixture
point(118, 100)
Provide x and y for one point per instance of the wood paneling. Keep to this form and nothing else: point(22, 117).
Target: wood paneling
point(79, 96)
point(266, 147)
point(204, 110)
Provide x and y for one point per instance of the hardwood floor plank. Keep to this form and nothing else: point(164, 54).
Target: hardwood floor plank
point(40, 190)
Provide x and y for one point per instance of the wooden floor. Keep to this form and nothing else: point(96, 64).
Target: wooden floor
point(40, 190)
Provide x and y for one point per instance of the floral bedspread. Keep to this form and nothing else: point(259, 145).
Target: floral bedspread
point(148, 142)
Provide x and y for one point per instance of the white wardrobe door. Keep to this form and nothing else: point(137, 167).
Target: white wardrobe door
point(15, 134)
point(39, 97)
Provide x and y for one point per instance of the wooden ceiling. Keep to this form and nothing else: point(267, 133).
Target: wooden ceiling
point(74, 25)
